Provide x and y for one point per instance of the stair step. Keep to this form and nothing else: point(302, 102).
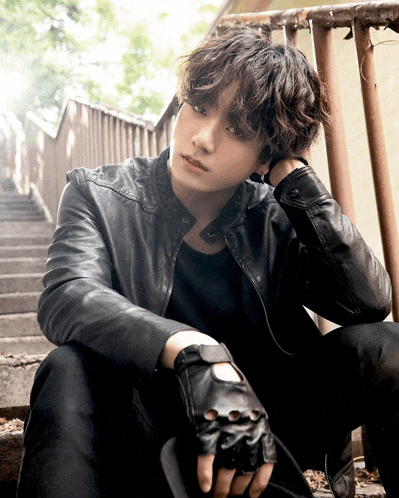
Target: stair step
point(19, 324)
point(19, 211)
point(24, 240)
point(15, 207)
point(16, 378)
point(24, 252)
point(11, 455)
point(22, 302)
point(10, 196)
point(15, 228)
point(21, 265)
point(21, 217)
point(17, 201)
point(30, 345)
point(25, 282)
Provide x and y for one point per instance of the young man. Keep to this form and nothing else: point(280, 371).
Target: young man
point(155, 262)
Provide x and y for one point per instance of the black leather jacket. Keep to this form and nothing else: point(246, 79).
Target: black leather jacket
point(120, 227)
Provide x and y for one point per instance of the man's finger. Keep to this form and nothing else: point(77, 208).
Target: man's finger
point(223, 482)
point(240, 484)
point(204, 472)
point(261, 480)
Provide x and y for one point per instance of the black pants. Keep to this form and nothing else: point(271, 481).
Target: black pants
point(96, 431)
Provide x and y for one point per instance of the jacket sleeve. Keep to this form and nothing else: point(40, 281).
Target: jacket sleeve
point(79, 304)
point(337, 276)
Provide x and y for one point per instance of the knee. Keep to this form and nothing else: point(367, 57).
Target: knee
point(62, 362)
point(61, 373)
point(374, 347)
point(366, 336)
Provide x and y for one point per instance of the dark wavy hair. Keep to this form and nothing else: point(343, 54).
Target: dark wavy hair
point(279, 98)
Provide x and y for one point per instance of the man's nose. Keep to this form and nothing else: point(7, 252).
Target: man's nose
point(205, 137)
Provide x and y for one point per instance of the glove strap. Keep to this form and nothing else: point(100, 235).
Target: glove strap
point(203, 353)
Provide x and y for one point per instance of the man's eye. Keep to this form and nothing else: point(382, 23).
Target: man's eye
point(199, 108)
point(235, 131)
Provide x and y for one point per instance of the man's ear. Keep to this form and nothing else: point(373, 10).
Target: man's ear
point(262, 169)
point(258, 175)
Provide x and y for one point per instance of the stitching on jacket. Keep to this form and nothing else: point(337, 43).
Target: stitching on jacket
point(147, 208)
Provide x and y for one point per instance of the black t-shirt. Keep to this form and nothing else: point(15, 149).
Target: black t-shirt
point(212, 294)
point(208, 295)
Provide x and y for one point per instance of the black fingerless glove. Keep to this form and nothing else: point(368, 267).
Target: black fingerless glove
point(239, 434)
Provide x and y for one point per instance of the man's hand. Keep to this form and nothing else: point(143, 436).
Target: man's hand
point(229, 421)
point(227, 483)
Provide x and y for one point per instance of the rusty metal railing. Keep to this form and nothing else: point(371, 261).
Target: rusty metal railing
point(359, 18)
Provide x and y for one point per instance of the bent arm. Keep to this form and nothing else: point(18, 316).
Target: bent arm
point(79, 303)
point(338, 275)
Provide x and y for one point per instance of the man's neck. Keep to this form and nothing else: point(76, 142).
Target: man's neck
point(204, 206)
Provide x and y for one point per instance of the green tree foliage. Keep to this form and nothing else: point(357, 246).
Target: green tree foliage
point(140, 62)
point(58, 49)
point(41, 36)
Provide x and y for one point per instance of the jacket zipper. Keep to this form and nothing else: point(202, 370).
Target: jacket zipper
point(246, 273)
point(169, 290)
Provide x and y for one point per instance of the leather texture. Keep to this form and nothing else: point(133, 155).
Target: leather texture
point(111, 262)
point(239, 441)
point(109, 277)
point(180, 473)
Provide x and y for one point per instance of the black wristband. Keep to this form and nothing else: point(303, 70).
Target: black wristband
point(276, 160)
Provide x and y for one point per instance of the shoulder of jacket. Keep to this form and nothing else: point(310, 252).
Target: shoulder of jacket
point(259, 195)
point(124, 178)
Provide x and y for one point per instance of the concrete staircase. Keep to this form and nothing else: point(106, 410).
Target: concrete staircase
point(15, 207)
point(24, 239)
point(23, 252)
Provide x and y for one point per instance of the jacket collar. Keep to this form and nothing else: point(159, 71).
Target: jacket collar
point(247, 195)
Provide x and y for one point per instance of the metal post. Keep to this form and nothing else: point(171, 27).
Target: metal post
point(152, 143)
point(144, 142)
point(161, 140)
point(100, 144)
point(111, 133)
point(169, 130)
point(291, 35)
point(105, 138)
point(132, 140)
point(379, 160)
point(338, 163)
point(91, 137)
point(117, 140)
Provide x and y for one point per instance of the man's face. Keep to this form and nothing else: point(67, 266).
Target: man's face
point(207, 152)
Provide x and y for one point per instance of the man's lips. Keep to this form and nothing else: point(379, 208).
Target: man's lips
point(194, 162)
